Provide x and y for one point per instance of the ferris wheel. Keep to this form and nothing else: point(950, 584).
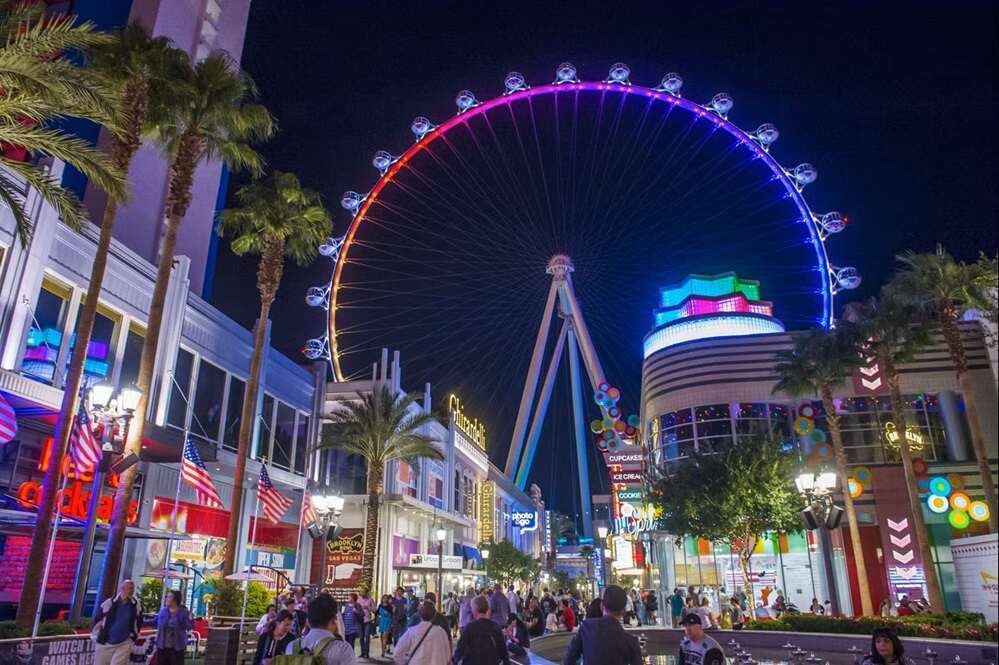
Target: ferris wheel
point(445, 252)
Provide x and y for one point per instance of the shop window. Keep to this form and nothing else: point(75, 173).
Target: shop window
point(284, 436)
point(132, 356)
point(180, 388)
point(302, 443)
point(100, 351)
point(714, 428)
point(45, 334)
point(754, 410)
point(711, 412)
point(207, 416)
point(233, 414)
point(266, 426)
point(407, 478)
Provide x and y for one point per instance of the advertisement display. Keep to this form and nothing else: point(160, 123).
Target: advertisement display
point(976, 567)
point(344, 558)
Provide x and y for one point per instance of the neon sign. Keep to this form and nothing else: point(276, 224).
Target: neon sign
point(526, 521)
point(472, 428)
point(487, 510)
point(915, 438)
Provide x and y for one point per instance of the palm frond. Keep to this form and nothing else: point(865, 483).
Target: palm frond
point(12, 195)
point(69, 208)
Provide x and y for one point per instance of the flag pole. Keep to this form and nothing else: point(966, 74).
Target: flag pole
point(253, 541)
point(48, 557)
point(173, 519)
point(298, 543)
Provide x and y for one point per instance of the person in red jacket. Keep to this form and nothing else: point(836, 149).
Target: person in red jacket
point(568, 617)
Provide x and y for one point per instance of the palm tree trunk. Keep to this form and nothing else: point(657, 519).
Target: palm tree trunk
point(912, 487)
point(268, 279)
point(123, 148)
point(952, 333)
point(867, 608)
point(375, 480)
point(189, 152)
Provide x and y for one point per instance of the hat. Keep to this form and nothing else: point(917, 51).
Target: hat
point(690, 619)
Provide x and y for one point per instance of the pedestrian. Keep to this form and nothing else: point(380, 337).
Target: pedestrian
point(513, 600)
point(603, 639)
point(172, 625)
point(367, 605)
point(567, 617)
point(817, 609)
point(499, 606)
point(552, 624)
point(274, 640)
point(352, 619)
point(651, 608)
point(385, 622)
point(741, 595)
point(704, 611)
point(299, 624)
point(465, 612)
point(886, 649)
point(827, 606)
point(116, 626)
point(735, 612)
point(481, 642)
point(450, 609)
point(398, 615)
point(780, 604)
point(676, 607)
point(439, 619)
point(323, 640)
point(534, 618)
point(412, 605)
point(428, 643)
point(594, 610)
point(905, 607)
point(640, 605)
point(548, 605)
point(518, 641)
point(696, 647)
point(263, 625)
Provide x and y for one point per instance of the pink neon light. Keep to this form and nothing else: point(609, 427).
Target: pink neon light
point(695, 306)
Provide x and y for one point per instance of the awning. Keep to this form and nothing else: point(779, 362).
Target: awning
point(23, 523)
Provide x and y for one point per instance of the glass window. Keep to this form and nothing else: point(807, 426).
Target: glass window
point(233, 414)
point(457, 493)
point(100, 351)
point(131, 357)
point(752, 410)
point(45, 335)
point(266, 422)
point(284, 436)
point(208, 402)
point(711, 412)
point(302, 443)
point(713, 428)
point(407, 478)
point(180, 387)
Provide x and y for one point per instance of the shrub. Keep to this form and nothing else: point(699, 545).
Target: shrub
point(227, 598)
point(953, 625)
point(55, 628)
point(150, 594)
point(10, 629)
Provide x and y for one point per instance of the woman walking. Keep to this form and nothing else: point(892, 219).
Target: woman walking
point(275, 639)
point(385, 622)
point(172, 624)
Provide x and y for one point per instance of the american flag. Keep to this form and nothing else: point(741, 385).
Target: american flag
point(8, 421)
point(308, 512)
point(84, 449)
point(275, 504)
point(194, 473)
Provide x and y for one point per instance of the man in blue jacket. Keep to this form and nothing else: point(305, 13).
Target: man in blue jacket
point(116, 626)
point(605, 640)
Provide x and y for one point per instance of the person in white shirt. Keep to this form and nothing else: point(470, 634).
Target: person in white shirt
point(513, 599)
point(265, 621)
point(323, 638)
point(426, 643)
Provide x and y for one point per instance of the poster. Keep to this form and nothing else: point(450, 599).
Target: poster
point(976, 569)
point(344, 557)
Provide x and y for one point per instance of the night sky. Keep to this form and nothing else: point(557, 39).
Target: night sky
point(895, 104)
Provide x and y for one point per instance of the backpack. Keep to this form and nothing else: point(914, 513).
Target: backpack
point(304, 656)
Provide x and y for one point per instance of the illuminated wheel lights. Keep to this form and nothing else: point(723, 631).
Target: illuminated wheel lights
point(937, 504)
point(667, 91)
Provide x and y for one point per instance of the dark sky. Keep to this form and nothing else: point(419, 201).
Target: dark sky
point(895, 103)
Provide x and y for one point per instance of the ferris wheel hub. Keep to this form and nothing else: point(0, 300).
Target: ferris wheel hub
point(560, 265)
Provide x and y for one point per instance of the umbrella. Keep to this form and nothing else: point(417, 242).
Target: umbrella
point(248, 576)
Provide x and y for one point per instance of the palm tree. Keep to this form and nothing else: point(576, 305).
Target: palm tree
point(40, 85)
point(819, 361)
point(379, 427)
point(133, 62)
point(277, 218)
point(894, 336)
point(944, 288)
point(206, 113)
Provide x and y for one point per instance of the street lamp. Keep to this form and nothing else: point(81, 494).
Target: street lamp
point(108, 411)
point(441, 534)
point(602, 532)
point(328, 508)
point(822, 514)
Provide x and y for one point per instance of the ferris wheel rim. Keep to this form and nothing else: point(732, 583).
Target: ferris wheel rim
point(480, 108)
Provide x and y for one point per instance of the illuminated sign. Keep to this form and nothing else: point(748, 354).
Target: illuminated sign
point(548, 531)
point(915, 438)
point(527, 521)
point(487, 510)
point(430, 561)
point(75, 500)
point(475, 430)
point(627, 476)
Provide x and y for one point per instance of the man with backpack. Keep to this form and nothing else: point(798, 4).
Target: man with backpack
point(322, 645)
point(481, 642)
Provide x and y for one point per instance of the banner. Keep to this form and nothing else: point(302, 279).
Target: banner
point(976, 569)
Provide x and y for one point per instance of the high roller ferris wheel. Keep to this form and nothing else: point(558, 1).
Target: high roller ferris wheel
point(469, 154)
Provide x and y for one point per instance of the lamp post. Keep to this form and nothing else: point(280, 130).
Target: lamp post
point(822, 514)
point(328, 507)
point(602, 532)
point(485, 561)
point(441, 534)
point(109, 411)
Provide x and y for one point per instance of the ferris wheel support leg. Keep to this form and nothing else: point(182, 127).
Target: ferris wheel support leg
point(579, 415)
point(530, 385)
point(541, 409)
point(588, 352)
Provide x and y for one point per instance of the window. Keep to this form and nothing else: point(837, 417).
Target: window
point(208, 402)
point(131, 357)
point(233, 414)
point(457, 507)
point(407, 478)
point(302, 443)
point(435, 488)
point(266, 422)
point(100, 351)
point(45, 335)
point(284, 436)
point(180, 388)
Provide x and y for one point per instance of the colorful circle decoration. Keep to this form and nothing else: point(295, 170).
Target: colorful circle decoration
point(856, 489)
point(823, 453)
point(614, 412)
point(619, 426)
point(633, 420)
point(631, 432)
point(817, 436)
point(612, 445)
point(960, 501)
point(863, 475)
point(607, 424)
point(919, 466)
point(807, 411)
point(937, 504)
point(956, 480)
point(604, 386)
point(803, 426)
point(602, 444)
point(940, 486)
point(979, 511)
point(596, 426)
point(924, 485)
point(958, 519)
point(614, 394)
point(599, 397)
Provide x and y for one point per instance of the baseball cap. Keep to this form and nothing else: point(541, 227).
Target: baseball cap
point(690, 619)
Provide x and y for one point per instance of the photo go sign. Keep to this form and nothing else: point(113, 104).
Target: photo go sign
point(526, 521)
point(472, 428)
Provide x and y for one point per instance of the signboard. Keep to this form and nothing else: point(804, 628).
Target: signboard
point(430, 561)
point(68, 650)
point(976, 570)
point(472, 428)
point(344, 556)
point(487, 511)
point(526, 521)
